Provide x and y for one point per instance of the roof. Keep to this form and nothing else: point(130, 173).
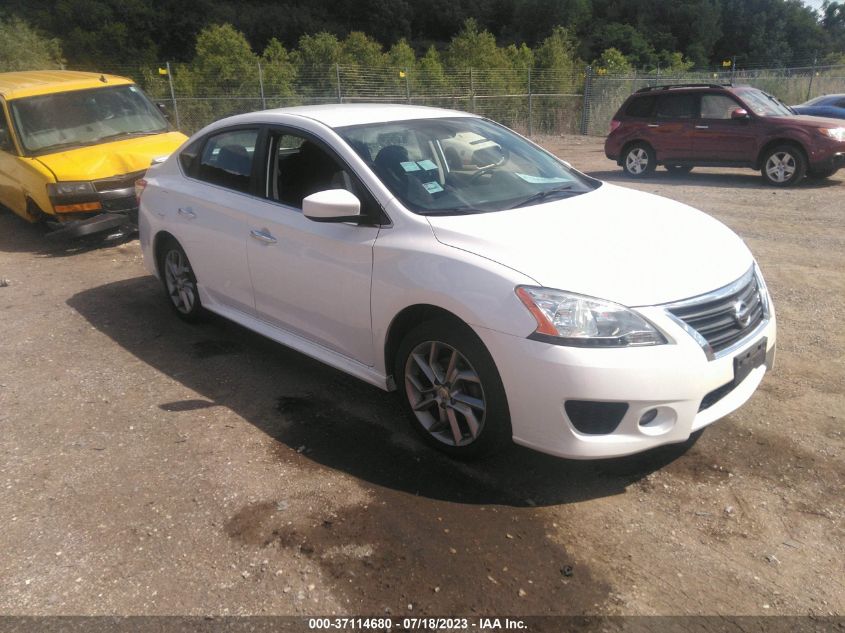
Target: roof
point(38, 82)
point(342, 114)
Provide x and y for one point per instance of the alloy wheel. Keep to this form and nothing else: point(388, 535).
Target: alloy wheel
point(637, 161)
point(445, 393)
point(781, 167)
point(179, 279)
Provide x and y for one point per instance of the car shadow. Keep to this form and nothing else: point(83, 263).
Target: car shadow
point(322, 417)
point(742, 180)
point(19, 236)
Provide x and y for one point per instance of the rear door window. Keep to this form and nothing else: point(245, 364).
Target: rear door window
point(227, 159)
point(641, 107)
point(678, 106)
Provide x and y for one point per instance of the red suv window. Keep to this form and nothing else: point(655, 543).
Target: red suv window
point(641, 107)
point(679, 106)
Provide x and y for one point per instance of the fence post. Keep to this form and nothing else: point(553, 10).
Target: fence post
point(339, 93)
point(530, 106)
point(585, 110)
point(173, 96)
point(471, 92)
point(407, 85)
point(261, 86)
point(812, 74)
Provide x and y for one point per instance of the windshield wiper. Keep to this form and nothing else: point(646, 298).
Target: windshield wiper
point(542, 195)
point(126, 134)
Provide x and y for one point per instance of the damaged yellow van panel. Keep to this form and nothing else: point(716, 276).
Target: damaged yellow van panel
point(72, 145)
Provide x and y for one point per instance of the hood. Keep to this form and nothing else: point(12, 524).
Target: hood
point(613, 243)
point(807, 119)
point(111, 159)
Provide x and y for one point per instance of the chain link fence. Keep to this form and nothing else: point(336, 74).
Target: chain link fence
point(533, 102)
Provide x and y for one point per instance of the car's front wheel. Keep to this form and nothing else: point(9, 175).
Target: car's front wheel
point(180, 283)
point(452, 389)
point(639, 160)
point(784, 166)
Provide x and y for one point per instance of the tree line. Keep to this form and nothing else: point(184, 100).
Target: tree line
point(645, 34)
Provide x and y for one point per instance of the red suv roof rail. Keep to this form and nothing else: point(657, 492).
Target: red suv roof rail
point(670, 87)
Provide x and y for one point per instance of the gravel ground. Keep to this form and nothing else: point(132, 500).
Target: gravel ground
point(151, 467)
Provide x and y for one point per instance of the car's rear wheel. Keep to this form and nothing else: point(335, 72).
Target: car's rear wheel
point(452, 389)
point(639, 160)
point(784, 166)
point(678, 170)
point(180, 283)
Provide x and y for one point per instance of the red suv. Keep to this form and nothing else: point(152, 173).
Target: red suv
point(684, 126)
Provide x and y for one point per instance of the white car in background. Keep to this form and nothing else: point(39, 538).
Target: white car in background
point(505, 296)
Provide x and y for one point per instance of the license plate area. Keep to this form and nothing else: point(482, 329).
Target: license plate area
point(749, 360)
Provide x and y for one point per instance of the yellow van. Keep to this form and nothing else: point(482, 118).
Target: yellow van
point(72, 145)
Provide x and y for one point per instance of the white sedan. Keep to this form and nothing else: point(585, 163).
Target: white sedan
point(506, 296)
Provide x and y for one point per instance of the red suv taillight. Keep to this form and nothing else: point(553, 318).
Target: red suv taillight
point(139, 189)
point(614, 124)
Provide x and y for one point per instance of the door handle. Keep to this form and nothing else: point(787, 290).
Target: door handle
point(654, 125)
point(702, 127)
point(263, 236)
point(186, 212)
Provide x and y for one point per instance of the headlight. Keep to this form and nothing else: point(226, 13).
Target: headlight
point(70, 188)
point(836, 133)
point(569, 319)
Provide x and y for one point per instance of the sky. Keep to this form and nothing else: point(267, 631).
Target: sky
point(816, 4)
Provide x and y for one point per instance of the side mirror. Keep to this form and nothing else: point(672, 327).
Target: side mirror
point(332, 205)
point(163, 109)
point(739, 113)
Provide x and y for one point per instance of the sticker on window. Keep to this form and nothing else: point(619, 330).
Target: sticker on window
point(433, 186)
point(541, 180)
point(427, 165)
point(410, 166)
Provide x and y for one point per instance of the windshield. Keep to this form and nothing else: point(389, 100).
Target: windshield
point(84, 117)
point(461, 165)
point(762, 103)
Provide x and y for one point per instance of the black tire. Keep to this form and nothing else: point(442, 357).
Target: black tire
point(488, 428)
point(678, 170)
point(821, 174)
point(639, 160)
point(783, 166)
point(179, 282)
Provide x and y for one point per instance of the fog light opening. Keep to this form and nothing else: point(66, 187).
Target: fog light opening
point(648, 417)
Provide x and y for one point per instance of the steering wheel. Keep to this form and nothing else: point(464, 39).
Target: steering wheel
point(486, 169)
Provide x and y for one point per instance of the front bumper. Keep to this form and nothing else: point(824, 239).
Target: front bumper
point(113, 223)
point(115, 203)
point(673, 379)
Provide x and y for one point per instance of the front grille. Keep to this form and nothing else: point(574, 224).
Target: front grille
point(118, 182)
point(718, 316)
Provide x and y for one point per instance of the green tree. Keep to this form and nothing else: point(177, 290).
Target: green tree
point(673, 63)
point(431, 76)
point(24, 48)
point(359, 49)
point(472, 48)
point(279, 72)
point(558, 68)
point(225, 62)
point(612, 62)
point(315, 60)
point(401, 55)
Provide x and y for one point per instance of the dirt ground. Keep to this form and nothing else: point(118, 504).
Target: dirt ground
point(152, 467)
